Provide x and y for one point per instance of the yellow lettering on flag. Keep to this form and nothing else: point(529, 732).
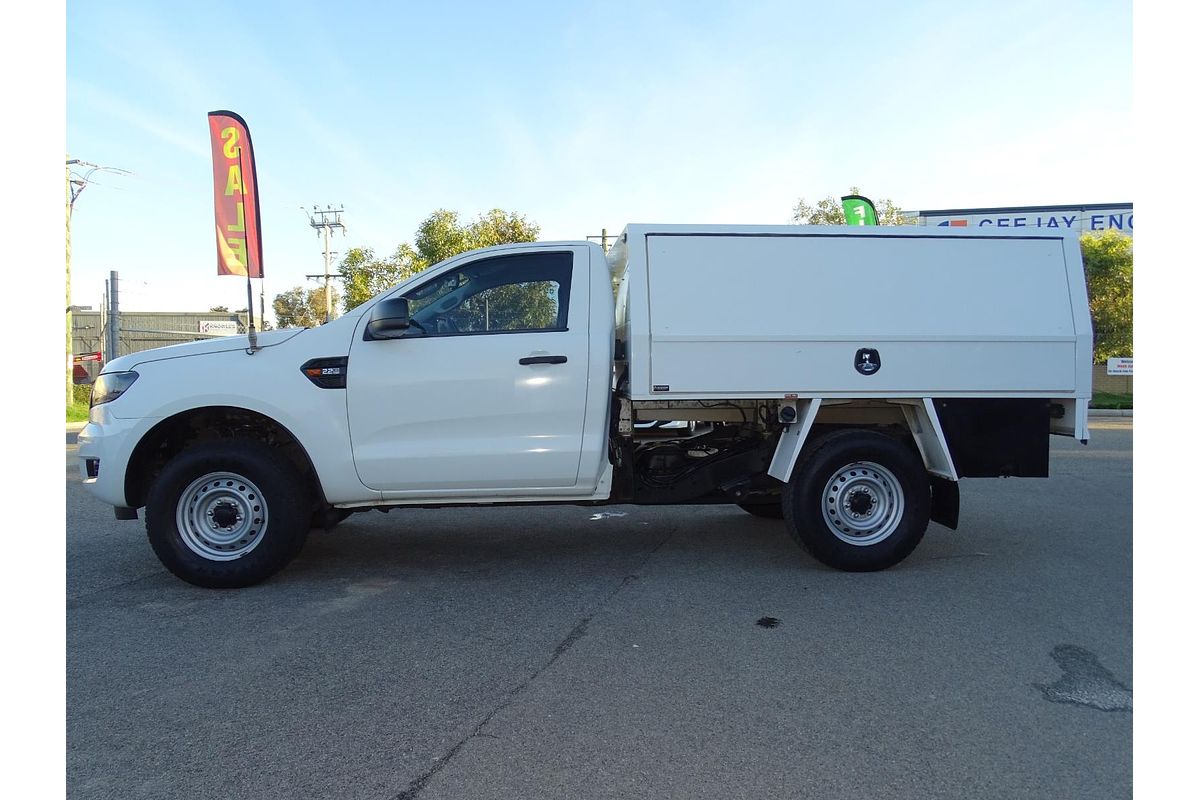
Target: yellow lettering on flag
point(241, 221)
point(230, 149)
point(237, 246)
point(231, 261)
point(234, 181)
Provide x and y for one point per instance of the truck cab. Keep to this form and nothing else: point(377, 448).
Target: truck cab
point(490, 391)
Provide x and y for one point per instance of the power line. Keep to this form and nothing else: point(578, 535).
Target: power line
point(79, 181)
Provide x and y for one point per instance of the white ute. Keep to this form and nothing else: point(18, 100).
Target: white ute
point(842, 379)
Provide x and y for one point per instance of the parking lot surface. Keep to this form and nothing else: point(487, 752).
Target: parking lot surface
point(619, 652)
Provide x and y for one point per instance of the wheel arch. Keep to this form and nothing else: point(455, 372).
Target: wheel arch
point(917, 415)
point(173, 434)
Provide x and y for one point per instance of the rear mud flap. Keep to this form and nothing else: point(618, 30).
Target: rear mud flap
point(944, 502)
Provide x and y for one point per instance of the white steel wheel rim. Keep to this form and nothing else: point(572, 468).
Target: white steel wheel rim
point(221, 516)
point(863, 503)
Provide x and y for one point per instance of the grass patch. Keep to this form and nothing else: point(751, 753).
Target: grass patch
point(77, 412)
point(77, 409)
point(1107, 400)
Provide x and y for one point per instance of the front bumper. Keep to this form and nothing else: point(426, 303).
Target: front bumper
point(104, 450)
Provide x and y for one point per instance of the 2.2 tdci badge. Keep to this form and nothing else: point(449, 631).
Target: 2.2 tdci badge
point(866, 361)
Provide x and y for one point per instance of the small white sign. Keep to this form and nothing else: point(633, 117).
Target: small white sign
point(219, 327)
point(1120, 366)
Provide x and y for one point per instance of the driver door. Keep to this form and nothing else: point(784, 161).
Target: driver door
point(485, 394)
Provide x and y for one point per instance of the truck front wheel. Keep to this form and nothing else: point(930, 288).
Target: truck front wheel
point(227, 514)
point(859, 501)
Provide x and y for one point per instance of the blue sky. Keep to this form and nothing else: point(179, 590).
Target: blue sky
point(579, 115)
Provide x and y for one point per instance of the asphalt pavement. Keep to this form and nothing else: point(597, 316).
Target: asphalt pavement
point(619, 652)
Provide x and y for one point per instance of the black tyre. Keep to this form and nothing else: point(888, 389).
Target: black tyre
point(227, 514)
point(764, 510)
point(858, 501)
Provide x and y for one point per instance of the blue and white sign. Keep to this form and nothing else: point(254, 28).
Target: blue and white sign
point(1120, 366)
point(1081, 219)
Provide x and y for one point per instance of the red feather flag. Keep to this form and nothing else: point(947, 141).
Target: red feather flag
point(235, 197)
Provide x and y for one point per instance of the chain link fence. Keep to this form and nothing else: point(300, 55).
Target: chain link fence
point(142, 330)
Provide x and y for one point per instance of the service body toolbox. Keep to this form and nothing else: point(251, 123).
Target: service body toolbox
point(744, 311)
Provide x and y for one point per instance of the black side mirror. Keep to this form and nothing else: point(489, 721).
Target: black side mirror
point(389, 319)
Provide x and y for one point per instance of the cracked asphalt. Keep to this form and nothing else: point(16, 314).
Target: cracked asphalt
point(541, 653)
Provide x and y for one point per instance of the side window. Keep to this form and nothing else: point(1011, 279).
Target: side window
point(518, 293)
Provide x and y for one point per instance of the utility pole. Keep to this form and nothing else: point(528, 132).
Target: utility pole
point(76, 183)
point(603, 237)
point(70, 359)
point(114, 317)
point(325, 222)
point(107, 354)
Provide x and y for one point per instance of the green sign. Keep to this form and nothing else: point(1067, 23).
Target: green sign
point(858, 210)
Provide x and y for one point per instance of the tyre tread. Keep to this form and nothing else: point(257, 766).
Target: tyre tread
point(281, 486)
point(793, 512)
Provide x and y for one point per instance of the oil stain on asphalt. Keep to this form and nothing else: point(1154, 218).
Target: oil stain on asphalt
point(767, 622)
point(1085, 682)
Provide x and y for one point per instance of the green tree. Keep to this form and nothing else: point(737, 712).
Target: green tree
point(364, 275)
point(829, 212)
point(1108, 267)
point(217, 309)
point(530, 305)
point(440, 236)
point(501, 227)
point(302, 308)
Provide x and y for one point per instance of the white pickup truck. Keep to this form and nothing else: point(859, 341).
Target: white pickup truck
point(842, 379)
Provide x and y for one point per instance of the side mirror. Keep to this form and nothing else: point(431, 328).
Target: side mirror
point(389, 319)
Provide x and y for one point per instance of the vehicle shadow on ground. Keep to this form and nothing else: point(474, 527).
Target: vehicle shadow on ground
point(418, 543)
point(492, 542)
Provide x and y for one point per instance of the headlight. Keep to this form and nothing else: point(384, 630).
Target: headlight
point(111, 385)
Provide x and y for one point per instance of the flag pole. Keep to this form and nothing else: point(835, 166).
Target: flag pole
point(250, 334)
point(250, 311)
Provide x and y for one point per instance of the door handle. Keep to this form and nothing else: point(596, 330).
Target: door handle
point(542, 360)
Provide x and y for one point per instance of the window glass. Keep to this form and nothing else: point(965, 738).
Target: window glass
point(527, 292)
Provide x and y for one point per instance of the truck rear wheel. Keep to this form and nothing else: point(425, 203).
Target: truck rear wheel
point(227, 514)
point(859, 501)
